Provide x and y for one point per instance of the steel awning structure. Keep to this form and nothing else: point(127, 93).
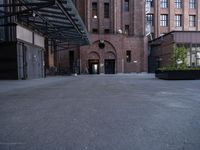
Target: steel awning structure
point(56, 19)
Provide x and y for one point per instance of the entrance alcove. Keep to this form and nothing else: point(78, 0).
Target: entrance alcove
point(93, 63)
point(110, 63)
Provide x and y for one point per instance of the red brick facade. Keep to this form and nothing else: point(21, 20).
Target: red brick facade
point(117, 42)
point(171, 10)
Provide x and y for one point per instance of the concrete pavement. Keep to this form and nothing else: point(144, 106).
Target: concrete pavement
point(105, 112)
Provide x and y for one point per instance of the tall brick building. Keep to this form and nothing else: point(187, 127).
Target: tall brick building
point(173, 15)
point(174, 23)
point(118, 41)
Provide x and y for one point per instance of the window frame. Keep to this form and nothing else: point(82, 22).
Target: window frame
point(178, 20)
point(106, 10)
point(126, 5)
point(192, 20)
point(178, 4)
point(94, 9)
point(151, 2)
point(192, 4)
point(164, 20)
point(164, 4)
point(150, 19)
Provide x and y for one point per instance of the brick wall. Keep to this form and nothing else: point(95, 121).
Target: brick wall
point(185, 11)
point(115, 42)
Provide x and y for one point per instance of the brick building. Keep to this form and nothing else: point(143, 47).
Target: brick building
point(169, 20)
point(173, 15)
point(163, 49)
point(118, 41)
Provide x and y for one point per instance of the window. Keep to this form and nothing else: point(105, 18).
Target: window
point(149, 2)
point(178, 20)
point(95, 31)
point(178, 3)
point(164, 20)
point(106, 10)
point(94, 10)
point(193, 55)
point(126, 5)
point(150, 19)
point(198, 55)
point(164, 3)
point(192, 20)
point(128, 56)
point(192, 4)
point(107, 31)
point(127, 29)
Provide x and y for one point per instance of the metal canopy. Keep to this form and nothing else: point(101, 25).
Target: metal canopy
point(56, 19)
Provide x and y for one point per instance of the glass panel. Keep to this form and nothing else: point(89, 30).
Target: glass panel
point(106, 10)
point(198, 48)
point(193, 60)
point(198, 62)
point(126, 5)
point(188, 58)
point(198, 54)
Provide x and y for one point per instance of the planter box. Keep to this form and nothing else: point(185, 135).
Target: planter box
point(178, 74)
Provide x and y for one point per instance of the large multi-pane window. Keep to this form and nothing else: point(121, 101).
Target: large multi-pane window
point(198, 55)
point(192, 3)
point(94, 10)
point(126, 5)
point(164, 3)
point(150, 19)
point(178, 20)
point(192, 20)
point(164, 20)
point(149, 2)
point(178, 3)
point(106, 10)
point(193, 54)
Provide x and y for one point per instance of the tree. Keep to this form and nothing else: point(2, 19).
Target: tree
point(179, 57)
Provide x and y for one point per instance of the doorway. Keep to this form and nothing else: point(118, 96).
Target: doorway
point(110, 66)
point(93, 66)
point(71, 62)
point(25, 64)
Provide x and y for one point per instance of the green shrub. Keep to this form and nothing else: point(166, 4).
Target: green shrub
point(173, 69)
point(178, 60)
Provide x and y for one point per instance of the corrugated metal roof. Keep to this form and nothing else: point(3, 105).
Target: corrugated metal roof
point(56, 19)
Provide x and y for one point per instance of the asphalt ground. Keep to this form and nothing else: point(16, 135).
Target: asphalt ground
point(105, 112)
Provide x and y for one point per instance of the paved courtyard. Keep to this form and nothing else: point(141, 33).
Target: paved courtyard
point(105, 112)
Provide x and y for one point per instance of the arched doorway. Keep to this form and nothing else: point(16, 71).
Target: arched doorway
point(93, 63)
point(110, 63)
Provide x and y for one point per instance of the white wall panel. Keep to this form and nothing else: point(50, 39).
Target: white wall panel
point(24, 34)
point(38, 40)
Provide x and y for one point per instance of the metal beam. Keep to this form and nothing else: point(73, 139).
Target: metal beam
point(56, 19)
